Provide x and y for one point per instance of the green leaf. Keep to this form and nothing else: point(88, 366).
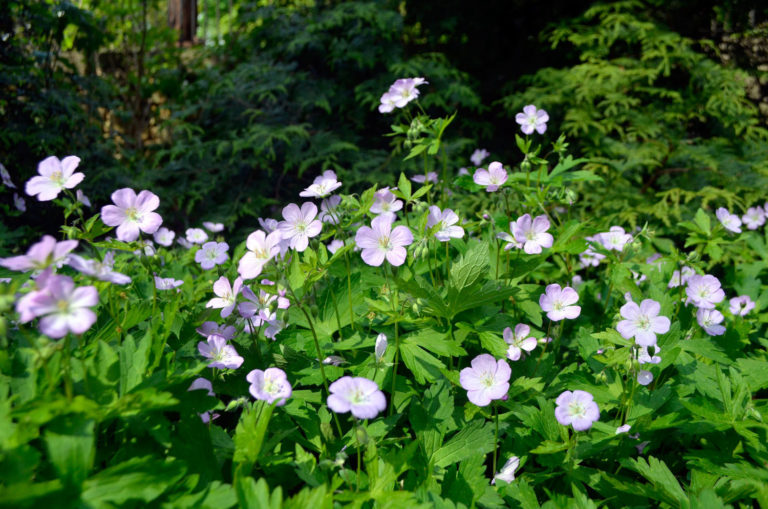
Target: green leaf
point(134, 360)
point(668, 490)
point(141, 478)
point(475, 438)
point(424, 366)
point(469, 268)
point(249, 436)
point(436, 342)
point(702, 221)
point(256, 495)
point(71, 447)
point(404, 186)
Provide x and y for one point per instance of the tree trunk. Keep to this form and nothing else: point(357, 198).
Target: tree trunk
point(182, 16)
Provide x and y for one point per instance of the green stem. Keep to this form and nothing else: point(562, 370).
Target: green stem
point(496, 436)
point(67, 367)
point(543, 350)
point(397, 348)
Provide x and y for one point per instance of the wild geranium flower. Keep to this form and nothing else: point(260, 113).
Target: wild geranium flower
point(43, 254)
point(132, 213)
point(509, 239)
point(329, 210)
point(445, 221)
point(677, 280)
point(487, 379)
point(400, 93)
point(322, 186)
point(212, 328)
point(335, 245)
point(358, 395)
point(518, 341)
point(558, 302)
point(196, 235)
point(226, 295)
point(754, 218)
point(99, 269)
point(532, 119)
point(590, 257)
point(213, 227)
point(6, 177)
point(704, 291)
point(577, 409)
point(261, 249)
point(385, 202)
point(164, 236)
point(644, 377)
point(19, 203)
point(274, 327)
point(381, 241)
point(257, 306)
point(222, 355)
point(741, 305)
point(184, 243)
point(62, 307)
point(82, 198)
point(212, 254)
point(478, 156)
point(299, 225)
point(270, 385)
point(614, 239)
point(388, 102)
point(167, 283)
point(463, 171)
point(507, 472)
point(54, 176)
point(645, 357)
point(730, 222)
point(380, 347)
point(642, 322)
point(710, 320)
point(492, 178)
point(532, 233)
point(421, 179)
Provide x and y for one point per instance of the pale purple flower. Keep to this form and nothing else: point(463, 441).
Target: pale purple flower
point(358, 395)
point(704, 291)
point(184, 243)
point(99, 269)
point(623, 428)
point(590, 257)
point(730, 222)
point(532, 118)
point(132, 213)
point(463, 171)
point(299, 225)
point(644, 377)
point(270, 385)
point(518, 341)
point(19, 203)
point(62, 306)
point(577, 409)
point(614, 239)
point(54, 176)
point(212, 328)
point(676, 280)
point(322, 186)
point(380, 240)
point(226, 295)
point(269, 224)
point(507, 472)
point(274, 327)
point(645, 357)
point(576, 281)
point(380, 347)
point(710, 320)
point(487, 379)
point(478, 156)
point(421, 179)
point(196, 235)
point(445, 221)
point(642, 322)
point(212, 254)
point(388, 102)
point(222, 355)
point(492, 178)
point(282, 301)
point(329, 209)
point(335, 245)
point(385, 202)
point(164, 236)
point(82, 198)
point(261, 249)
point(532, 233)
point(400, 93)
point(6, 178)
point(213, 227)
point(754, 218)
point(256, 306)
point(41, 255)
point(741, 305)
point(559, 303)
point(509, 239)
point(167, 283)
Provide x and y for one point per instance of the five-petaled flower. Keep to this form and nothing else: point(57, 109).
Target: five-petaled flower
point(222, 355)
point(519, 340)
point(492, 178)
point(43, 254)
point(487, 379)
point(358, 395)
point(62, 306)
point(212, 254)
point(196, 235)
point(381, 241)
point(322, 186)
point(559, 302)
point(385, 202)
point(226, 295)
point(710, 320)
point(741, 305)
point(730, 222)
point(299, 225)
point(164, 236)
point(270, 385)
point(704, 291)
point(445, 221)
point(532, 233)
point(478, 156)
point(507, 472)
point(642, 322)
point(261, 249)
point(532, 118)
point(577, 409)
point(132, 213)
point(400, 93)
point(54, 176)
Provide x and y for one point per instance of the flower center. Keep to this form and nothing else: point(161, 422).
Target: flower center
point(57, 178)
point(488, 380)
point(63, 305)
point(643, 323)
point(384, 243)
point(357, 397)
point(301, 227)
point(132, 214)
point(211, 255)
point(530, 235)
point(576, 409)
point(558, 305)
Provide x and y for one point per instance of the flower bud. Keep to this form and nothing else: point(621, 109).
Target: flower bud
point(381, 347)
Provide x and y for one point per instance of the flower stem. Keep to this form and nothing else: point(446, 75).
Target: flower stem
point(496, 436)
point(397, 347)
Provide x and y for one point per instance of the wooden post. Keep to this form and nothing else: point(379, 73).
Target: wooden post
point(182, 16)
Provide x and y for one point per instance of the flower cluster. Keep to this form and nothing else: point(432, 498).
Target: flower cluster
point(400, 93)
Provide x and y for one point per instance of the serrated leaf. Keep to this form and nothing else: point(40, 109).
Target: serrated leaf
point(475, 438)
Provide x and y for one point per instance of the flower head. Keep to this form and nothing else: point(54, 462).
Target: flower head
point(213, 227)
point(642, 322)
point(644, 377)
point(507, 472)
point(754, 218)
point(132, 213)
point(270, 385)
point(257, 306)
point(167, 283)
point(211, 328)
point(614, 239)
point(704, 291)
point(82, 198)
point(358, 395)
point(492, 178)
point(381, 241)
point(532, 233)
point(62, 306)
point(196, 235)
point(261, 249)
point(400, 93)
point(226, 295)
point(222, 355)
point(322, 186)
point(445, 221)
point(164, 236)
point(212, 254)
point(329, 210)
point(532, 118)
point(677, 279)
point(710, 320)
point(299, 225)
point(487, 379)
point(19, 203)
point(54, 176)
point(99, 269)
point(385, 202)
point(741, 305)
point(421, 179)
point(335, 245)
point(518, 341)
point(478, 156)
point(645, 357)
point(730, 222)
point(558, 303)
point(43, 254)
point(577, 409)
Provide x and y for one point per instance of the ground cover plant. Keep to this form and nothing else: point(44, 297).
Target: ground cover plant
point(463, 337)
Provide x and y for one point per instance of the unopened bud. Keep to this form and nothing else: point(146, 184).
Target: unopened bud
point(381, 347)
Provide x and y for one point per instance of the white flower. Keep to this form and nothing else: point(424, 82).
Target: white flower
point(730, 222)
point(164, 236)
point(507, 472)
point(54, 177)
point(754, 218)
point(299, 225)
point(614, 239)
point(196, 236)
point(444, 220)
point(213, 227)
point(322, 186)
point(478, 156)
